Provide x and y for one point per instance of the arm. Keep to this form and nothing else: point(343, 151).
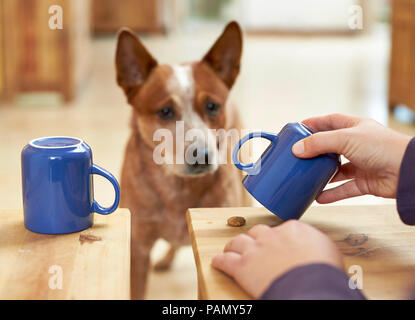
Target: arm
point(405, 196)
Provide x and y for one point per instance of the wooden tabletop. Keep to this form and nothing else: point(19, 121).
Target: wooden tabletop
point(91, 264)
point(371, 237)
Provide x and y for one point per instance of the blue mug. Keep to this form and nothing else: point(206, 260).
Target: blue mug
point(57, 184)
point(281, 182)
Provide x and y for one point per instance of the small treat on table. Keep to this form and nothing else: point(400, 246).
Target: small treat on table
point(236, 221)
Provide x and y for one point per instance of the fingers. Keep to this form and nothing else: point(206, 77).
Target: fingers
point(239, 244)
point(331, 135)
point(231, 258)
point(344, 191)
point(331, 122)
point(321, 142)
point(257, 230)
point(346, 171)
point(227, 262)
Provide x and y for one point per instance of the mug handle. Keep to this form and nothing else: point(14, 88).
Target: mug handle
point(102, 172)
point(249, 168)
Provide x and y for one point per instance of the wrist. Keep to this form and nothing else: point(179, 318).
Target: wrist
point(400, 144)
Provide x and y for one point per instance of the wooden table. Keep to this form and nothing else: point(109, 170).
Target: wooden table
point(91, 264)
point(371, 237)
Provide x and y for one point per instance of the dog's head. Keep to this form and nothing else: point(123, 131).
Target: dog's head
point(188, 99)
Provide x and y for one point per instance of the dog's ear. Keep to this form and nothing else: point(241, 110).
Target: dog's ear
point(225, 55)
point(133, 62)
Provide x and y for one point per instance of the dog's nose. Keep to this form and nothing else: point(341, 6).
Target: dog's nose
point(201, 159)
point(200, 163)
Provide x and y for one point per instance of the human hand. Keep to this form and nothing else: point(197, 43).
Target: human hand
point(255, 259)
point(375, 153)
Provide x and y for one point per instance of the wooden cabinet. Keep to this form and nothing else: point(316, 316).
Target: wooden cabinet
point(2, 85)
point(139, 15)
point(36, 58)
point(402, 64)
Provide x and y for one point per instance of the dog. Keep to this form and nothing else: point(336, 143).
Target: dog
point(194, 95)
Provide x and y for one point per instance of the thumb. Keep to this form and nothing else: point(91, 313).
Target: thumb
point(319, 143)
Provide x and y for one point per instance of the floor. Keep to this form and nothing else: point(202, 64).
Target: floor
point(283, 79)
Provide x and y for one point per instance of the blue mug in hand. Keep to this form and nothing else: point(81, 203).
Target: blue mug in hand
point(58, 191)
point(281, 182)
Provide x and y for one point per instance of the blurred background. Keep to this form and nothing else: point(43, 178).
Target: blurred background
point(301, 58)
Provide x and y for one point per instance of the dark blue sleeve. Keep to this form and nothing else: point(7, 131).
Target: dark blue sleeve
point(312, 282)
point(405, 195)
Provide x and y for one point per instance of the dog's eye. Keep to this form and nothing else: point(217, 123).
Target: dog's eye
point(212, 107)
point(166, 113)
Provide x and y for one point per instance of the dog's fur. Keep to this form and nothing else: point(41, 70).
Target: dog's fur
point(159, 195)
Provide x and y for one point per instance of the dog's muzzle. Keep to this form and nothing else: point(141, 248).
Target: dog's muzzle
point(200, 163)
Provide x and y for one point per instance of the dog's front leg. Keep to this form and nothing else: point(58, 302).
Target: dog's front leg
point(140, 264)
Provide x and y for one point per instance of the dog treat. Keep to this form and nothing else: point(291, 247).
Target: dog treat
point(236, 221)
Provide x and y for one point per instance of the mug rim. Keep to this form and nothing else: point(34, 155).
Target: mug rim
point(77, 143)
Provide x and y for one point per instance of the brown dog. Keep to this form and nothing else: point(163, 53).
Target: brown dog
point(191, 96)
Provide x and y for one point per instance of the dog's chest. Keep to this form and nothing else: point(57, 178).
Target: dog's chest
point(174, 227)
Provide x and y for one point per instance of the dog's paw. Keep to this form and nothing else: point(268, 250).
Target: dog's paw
point(165, 263)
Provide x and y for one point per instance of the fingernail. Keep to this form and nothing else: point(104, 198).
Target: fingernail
point(298, 148)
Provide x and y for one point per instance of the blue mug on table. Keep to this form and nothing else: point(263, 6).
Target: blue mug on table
point(58, 195)
point(281, 182)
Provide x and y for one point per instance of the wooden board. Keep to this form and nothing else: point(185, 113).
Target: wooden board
point(387, 256)
point(94, 263)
